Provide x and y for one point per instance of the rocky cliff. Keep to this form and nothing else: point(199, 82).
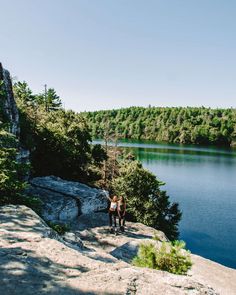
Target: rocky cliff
point(34, 260)
point(7, 101)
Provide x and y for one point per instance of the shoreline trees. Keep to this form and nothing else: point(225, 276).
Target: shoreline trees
point(186, 125)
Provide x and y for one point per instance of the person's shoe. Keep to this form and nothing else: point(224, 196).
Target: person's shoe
point(122, 229)
point(111, 229)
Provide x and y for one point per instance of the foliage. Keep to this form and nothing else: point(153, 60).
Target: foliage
point(179, 125)
point(146, 203)
point(49, 100)
point(11, 184)
point(171, 257)
point(23, 93)
point(59, 140)
point(11, 170)
point(7, 140)
point(61, 229)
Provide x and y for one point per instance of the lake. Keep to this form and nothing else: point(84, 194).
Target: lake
point(203, 181)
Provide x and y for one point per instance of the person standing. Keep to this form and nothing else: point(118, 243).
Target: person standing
point(121, 210)
point(113, 212)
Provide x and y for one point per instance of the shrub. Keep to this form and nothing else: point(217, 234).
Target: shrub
point(171, 257)
point(61, 229)
point(146, 202)
point(11, 171)
point(11, 186)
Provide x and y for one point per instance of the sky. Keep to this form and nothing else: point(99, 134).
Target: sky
point(105, 54)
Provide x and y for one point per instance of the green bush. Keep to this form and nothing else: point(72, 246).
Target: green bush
point(61, 229)
point(11, 187)
point(146, 202)
point(171, 257)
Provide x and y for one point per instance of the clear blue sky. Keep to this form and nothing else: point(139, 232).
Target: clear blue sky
point(101, 54)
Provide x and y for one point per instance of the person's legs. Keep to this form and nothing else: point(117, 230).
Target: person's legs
point(114, 217)
point(110, 218)
point(123, 221)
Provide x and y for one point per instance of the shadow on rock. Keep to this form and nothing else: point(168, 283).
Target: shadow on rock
point(22, 272)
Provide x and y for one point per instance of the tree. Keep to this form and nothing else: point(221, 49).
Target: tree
point(49, 99)
point(10, 185)
point(23, 94)
point(179, 125)
point(146, 203)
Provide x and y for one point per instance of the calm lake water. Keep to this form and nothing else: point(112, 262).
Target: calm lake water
point(203, 181)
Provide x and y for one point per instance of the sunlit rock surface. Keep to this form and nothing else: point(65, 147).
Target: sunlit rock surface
point(65, 200)
point(33, 260)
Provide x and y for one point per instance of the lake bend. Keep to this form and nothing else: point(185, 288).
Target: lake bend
point(203, 181)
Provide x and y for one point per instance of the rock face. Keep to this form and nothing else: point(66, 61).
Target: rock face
point(65, 200)
point(8, 102)
point(34, 261)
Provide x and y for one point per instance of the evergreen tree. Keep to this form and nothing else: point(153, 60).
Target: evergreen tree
point(11, 186)
point(23, 94)
point(49, 99)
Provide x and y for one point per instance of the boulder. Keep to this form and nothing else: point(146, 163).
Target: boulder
point(55, 206)
point(64, 200)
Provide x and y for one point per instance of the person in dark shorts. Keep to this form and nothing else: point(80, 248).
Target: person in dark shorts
point(121, 210)
point(113, 212)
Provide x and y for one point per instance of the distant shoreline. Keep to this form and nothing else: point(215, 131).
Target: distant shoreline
point(178, 125)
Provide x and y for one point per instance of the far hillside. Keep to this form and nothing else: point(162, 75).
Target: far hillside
point(187, 125)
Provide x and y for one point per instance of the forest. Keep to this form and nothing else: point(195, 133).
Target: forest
point(184, 125)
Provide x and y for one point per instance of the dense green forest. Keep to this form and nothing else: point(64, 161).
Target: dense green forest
point(189, 125)
point(59, 141)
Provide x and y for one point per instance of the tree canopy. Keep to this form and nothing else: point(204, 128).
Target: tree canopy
point(189, 125)
point(59, 140)
point(147, 203)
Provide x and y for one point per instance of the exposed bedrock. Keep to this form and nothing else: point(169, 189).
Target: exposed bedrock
point(8, 103)
point(34, 260)
point(65, 200)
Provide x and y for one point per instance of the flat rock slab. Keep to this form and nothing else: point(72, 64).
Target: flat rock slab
point(33, 261)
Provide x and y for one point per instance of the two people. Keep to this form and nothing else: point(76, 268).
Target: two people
point(117, 207)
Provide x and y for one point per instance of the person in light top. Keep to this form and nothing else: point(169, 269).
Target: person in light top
point(113, 211)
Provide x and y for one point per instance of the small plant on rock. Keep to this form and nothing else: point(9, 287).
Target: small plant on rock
point(61, 229)
point(171, 257)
